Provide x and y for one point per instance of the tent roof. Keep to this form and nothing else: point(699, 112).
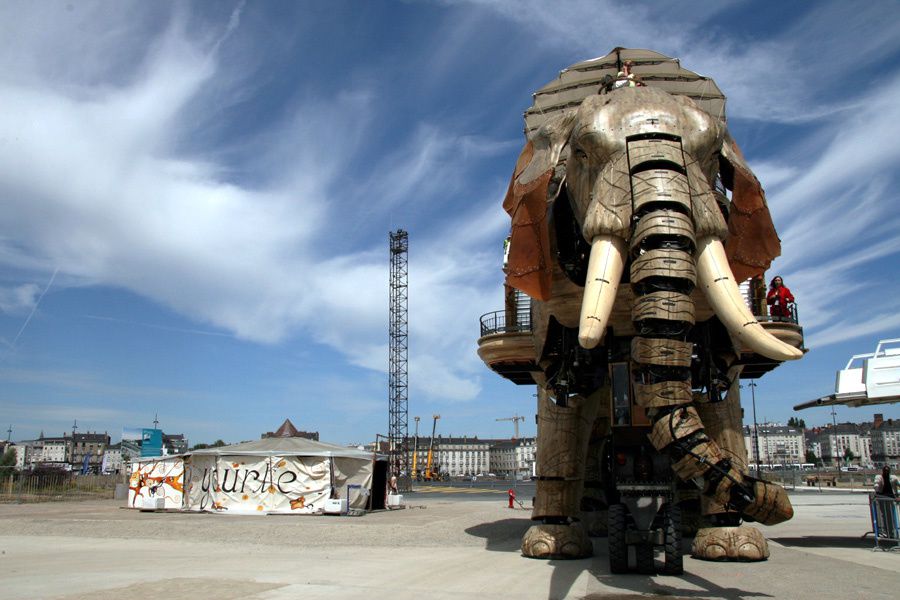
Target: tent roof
point(581, 80)
point(285, 446)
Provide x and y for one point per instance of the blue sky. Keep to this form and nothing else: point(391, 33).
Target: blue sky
point(196, 197)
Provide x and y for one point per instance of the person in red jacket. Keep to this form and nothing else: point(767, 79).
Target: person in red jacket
point(778, 298)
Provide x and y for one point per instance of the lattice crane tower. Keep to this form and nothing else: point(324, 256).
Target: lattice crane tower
point(398, 426)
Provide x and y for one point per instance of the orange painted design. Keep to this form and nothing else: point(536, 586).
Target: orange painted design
point(298, 503)
point(281, 463)
point(245, 497)
point(235, 465)
point(141, 481)
point(259, 507)
point(272, 489)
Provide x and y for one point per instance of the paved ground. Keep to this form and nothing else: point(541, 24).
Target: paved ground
point(449, 543)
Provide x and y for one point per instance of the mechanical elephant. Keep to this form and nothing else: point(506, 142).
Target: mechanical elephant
point(626, 242)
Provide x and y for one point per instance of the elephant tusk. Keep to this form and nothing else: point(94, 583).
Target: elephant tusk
point(722, 292)
point(603, 274)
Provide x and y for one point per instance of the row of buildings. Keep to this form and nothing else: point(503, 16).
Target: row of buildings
point(847, 444)
point(91, 452)
point(470, 456)
point(858, 444)
point(844, 444)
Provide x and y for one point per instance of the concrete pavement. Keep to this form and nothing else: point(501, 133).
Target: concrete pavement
point(444, 546)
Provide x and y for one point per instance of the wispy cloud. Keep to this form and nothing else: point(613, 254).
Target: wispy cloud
point(257, 261)
point(142, 149)
point(160, 327)
point(82, 382)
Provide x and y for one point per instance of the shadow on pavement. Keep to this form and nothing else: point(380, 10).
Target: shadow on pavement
point(823, 541)
point(506, 536)
point(502, 536)
point(668, 587)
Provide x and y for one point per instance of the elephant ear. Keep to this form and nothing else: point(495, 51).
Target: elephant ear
point(529, 266)
point(752, 242)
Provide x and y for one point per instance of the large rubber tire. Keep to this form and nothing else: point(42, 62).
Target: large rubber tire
point(618, 549)
point(674, 564)
point(644, 555)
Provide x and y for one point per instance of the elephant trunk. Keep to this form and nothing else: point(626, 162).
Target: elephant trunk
point(667, 260)
point(603, 274)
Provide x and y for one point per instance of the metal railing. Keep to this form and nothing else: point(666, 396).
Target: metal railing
point(885, 521)
point(792, 318)
point(496, 322)
point(48, 487)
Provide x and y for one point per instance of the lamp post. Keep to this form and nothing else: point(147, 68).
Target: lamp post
point(834, 445)
point(752, 385)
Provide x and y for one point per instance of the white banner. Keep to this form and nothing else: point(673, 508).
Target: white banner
point(242, 484)
point(299, 484)
point(154, 480)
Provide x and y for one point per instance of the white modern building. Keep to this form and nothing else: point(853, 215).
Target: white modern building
point(470, 456)
point(846, 444)
point(885, 437)
point(461, 457)
point(513, 456)
point(453, 456)
point(22, 454)
point(778, 444)
point(48, 451)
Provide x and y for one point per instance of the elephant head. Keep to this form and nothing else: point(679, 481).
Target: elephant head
point(639, 164)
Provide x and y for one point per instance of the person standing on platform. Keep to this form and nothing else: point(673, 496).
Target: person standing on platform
point(778, 298)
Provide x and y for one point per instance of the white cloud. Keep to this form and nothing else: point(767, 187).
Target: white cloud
point(19, 299)
point(104, 179)
point(100, 186)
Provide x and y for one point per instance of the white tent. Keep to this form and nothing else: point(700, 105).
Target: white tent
point(273, 475)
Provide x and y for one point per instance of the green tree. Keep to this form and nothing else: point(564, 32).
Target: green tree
point(9, 458)
point(215, 444)
point(798, 423)
point(848, 454)
point(811, 457)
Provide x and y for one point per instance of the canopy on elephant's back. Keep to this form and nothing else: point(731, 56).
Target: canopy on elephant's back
point(581, 80)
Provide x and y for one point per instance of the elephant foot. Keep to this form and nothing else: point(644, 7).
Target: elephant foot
point(557, 541)
point(743, 544)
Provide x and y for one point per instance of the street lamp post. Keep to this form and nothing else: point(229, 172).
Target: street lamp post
point(752, 385)
point(834, 445)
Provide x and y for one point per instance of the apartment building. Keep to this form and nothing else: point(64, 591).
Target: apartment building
point(885, 436)
point(778, 444)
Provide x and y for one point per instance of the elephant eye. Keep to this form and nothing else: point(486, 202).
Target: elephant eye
point(580, 154)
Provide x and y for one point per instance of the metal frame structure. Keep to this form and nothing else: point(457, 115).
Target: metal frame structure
point(398, 411)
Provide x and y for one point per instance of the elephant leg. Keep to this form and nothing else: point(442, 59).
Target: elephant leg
point(728, 539)
point(563, 436)
point(723, 423)
point(594, 503)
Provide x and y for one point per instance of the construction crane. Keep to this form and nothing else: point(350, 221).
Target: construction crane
point(429, 475)
point(398, 350)
point(415, 457)
point(515, 419)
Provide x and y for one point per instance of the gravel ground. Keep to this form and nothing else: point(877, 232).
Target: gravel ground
point(428, 521)
point(441, 547)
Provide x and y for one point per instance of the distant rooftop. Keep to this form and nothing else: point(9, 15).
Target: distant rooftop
point(287, 430)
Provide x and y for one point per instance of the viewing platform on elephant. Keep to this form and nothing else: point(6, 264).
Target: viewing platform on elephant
point(506, 345)
point(784, 328)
